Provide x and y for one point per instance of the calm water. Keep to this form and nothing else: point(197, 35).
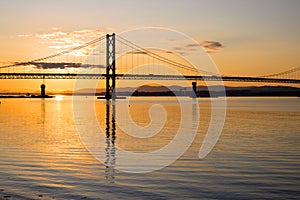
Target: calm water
point(256, 157)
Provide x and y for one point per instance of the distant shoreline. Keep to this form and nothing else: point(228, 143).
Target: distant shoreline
point(153, 95)
point(24, 96)
point(202, 91)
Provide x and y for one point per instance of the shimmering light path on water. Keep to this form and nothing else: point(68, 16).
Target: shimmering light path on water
point(257, 156)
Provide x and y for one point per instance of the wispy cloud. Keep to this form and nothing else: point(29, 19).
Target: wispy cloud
point(60, 40)
point(210, 45)
point(184, 48)
point(43, 65)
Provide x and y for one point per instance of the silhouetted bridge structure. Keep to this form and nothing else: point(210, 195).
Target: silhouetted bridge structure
point(145, 77)
point(108, 70)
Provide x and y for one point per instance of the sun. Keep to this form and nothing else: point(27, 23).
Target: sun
point(59, 97)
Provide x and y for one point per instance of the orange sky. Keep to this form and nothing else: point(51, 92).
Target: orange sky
point(255, 37)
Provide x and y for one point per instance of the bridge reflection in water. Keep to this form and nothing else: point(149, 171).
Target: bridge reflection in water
point(110, 149)
point(163, 136)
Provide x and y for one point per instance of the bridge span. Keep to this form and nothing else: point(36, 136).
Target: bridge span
point(145, 77)
point(104, 60)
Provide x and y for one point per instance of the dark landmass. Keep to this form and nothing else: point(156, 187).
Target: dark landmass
point(24, 96)
point(202, 91)
point(215, 91)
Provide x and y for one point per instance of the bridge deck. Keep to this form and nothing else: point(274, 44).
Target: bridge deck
point(143, 77)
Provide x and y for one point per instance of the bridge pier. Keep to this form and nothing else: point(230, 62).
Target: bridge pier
point(43, 90)
point(194, 86)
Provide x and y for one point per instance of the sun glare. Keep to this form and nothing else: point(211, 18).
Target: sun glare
point(59, 97)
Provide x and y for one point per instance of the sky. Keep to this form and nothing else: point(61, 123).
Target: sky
point(256, 37)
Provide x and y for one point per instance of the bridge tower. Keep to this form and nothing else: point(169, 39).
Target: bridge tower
point(110, 67)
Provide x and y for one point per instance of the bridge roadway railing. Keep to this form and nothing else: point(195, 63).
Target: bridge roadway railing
point(144, 77)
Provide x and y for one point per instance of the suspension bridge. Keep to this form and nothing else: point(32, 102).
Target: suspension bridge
point(97, 60)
